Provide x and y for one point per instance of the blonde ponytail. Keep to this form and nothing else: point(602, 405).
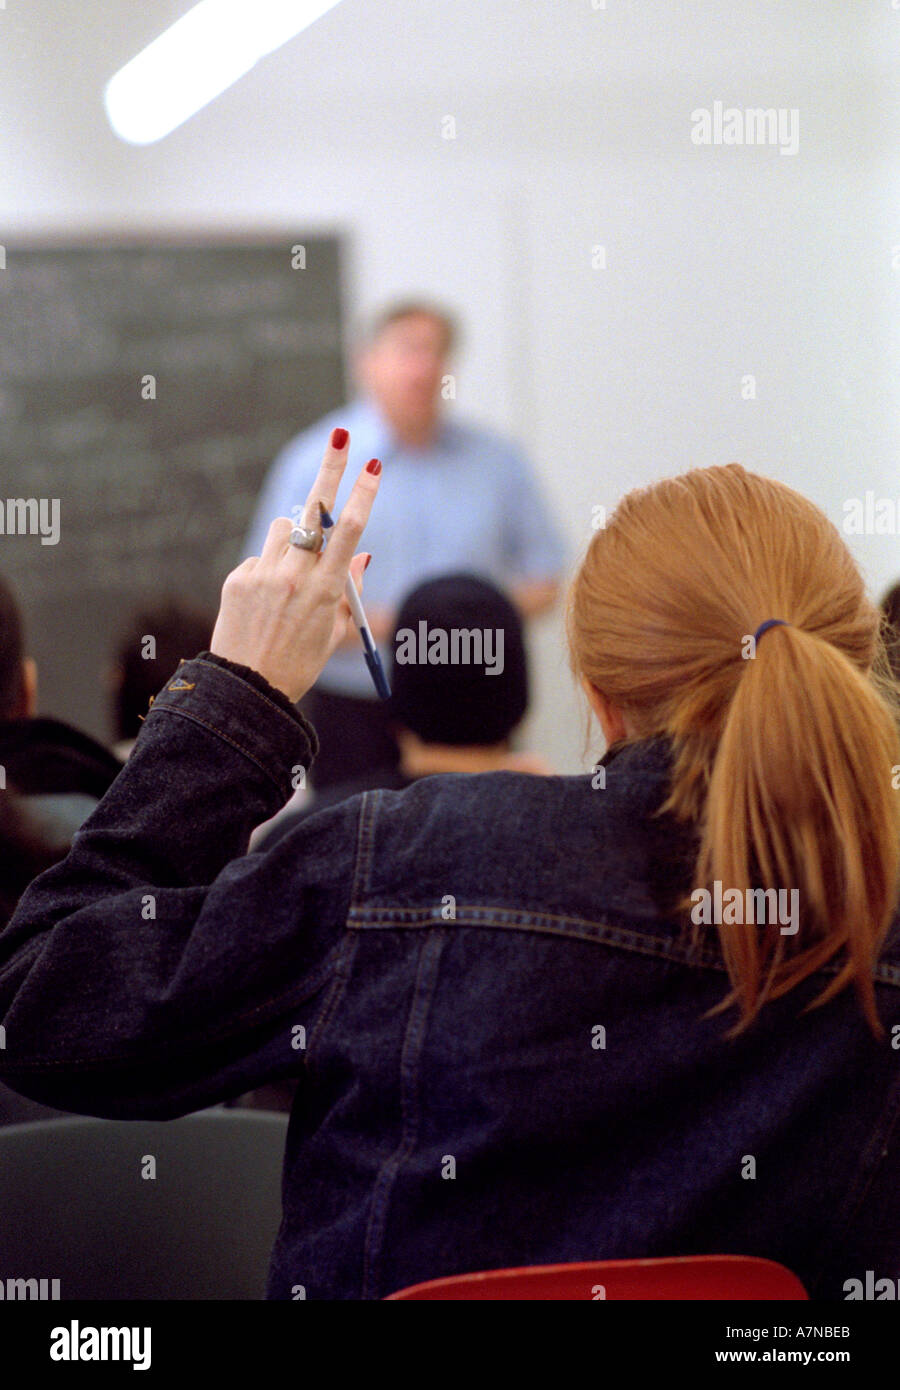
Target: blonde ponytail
point(785, 750)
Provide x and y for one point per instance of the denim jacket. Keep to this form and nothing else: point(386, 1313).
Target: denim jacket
point(498, 1027)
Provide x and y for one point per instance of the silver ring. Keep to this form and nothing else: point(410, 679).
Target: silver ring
point(304, 539)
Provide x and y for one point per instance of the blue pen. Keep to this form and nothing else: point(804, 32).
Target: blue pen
point(370, 651)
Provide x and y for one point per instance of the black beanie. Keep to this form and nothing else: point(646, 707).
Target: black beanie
point(459, 703)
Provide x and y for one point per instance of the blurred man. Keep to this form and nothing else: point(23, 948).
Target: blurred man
point(454, 496)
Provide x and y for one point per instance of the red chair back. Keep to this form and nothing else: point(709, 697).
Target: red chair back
point(705, 1277)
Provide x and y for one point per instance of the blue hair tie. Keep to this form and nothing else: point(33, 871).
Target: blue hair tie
point(764, 627)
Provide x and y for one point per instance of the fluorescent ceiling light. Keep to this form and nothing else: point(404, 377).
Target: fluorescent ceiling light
point(197, 58)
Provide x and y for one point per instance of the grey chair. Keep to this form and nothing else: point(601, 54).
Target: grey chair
point(74, 1205)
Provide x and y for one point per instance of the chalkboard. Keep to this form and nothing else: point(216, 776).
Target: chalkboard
point(155, 480)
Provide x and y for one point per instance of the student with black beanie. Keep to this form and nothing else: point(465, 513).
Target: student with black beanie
point(447, 716)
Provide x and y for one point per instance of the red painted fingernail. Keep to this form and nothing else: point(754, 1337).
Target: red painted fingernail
point(368, 562)
point(339, 438)
point(374, 466)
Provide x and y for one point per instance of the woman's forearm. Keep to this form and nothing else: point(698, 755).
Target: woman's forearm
point(102, 967)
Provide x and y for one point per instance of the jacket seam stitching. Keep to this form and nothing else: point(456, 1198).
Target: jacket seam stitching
point(602, 933)
point(226, 738)
point(412, 919)
point(364, 846)
point(342, 969)
point(410, 1117)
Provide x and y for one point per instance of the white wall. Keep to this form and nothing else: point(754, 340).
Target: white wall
point(573, 129)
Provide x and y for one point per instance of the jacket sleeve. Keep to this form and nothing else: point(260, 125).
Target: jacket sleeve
point(159, 968)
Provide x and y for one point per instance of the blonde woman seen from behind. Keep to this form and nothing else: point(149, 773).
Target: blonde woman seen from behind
point(647, 1011)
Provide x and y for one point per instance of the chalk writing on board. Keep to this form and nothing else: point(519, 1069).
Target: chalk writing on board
point(155, 494)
